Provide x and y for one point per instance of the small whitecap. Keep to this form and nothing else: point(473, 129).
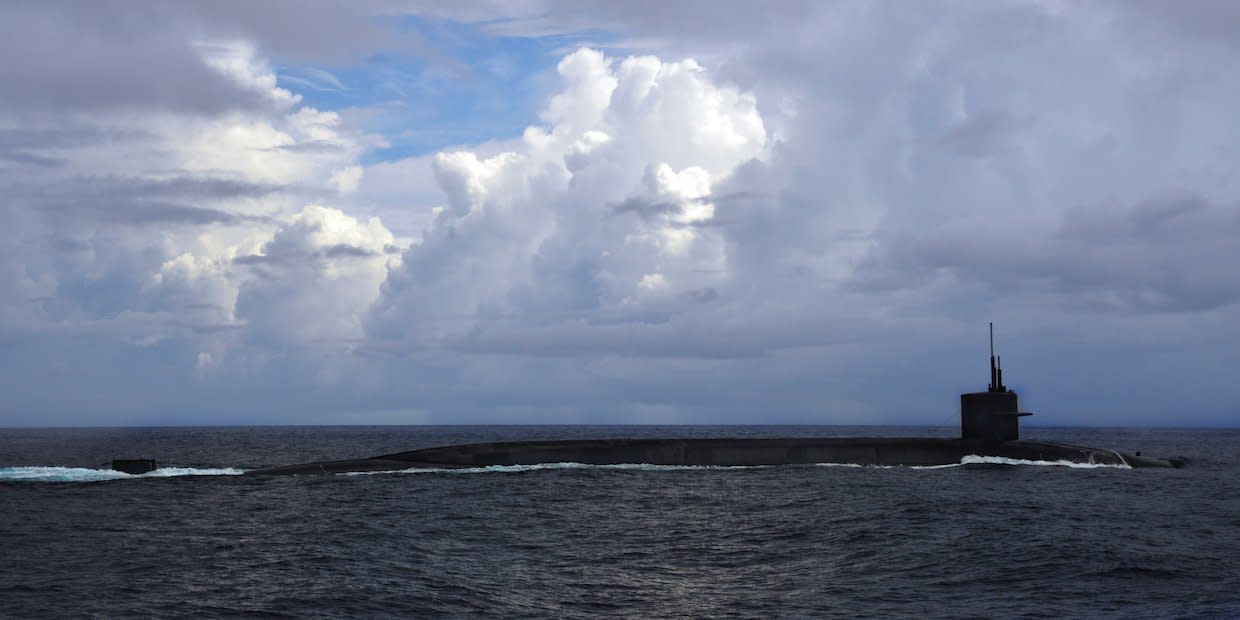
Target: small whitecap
point(86, 474)
point(974, 459)
point(512, 469)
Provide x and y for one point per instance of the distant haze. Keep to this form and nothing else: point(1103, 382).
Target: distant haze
point(617, 212)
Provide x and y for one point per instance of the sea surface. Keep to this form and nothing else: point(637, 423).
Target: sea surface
point(196, 539)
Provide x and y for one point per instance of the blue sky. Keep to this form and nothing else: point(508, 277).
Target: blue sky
point(476, 86)
point(640, 212)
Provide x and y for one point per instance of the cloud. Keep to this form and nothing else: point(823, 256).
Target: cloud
point(66, 57)
point(118, 200)
point(1207, 22)
point(137, 210)
point(319, 273)
point(111, 63)
point(533, 230)
point(1168, 253)
point(978, 135)
point(43, 146)
point(828, 200)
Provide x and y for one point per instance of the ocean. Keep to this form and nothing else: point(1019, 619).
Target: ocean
point(196, 539)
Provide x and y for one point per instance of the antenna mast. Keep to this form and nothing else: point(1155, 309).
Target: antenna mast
point(996, 371)
point(991, 388)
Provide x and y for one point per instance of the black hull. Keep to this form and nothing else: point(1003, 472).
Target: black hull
point(724, 452)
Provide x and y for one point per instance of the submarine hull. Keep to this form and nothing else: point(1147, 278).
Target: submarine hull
point(724, 452)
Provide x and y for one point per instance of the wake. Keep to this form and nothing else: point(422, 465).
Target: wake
point(86, 474)
point(971, 459)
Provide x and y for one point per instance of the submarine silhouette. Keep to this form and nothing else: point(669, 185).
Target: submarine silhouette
point(989, 427)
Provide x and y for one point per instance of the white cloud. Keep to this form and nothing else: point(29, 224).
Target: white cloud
point(237, 61)
point(347, 179)
point(652, 282)
point(543, 229)
point(314, 279)
point(139, 232)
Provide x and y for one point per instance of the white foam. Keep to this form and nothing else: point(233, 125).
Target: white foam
point(974, 459)
point(971, 459)
point(85, 474)
point(859, 465)
point(168, 472)
point(512, 469)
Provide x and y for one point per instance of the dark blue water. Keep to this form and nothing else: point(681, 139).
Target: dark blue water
point(973, 541)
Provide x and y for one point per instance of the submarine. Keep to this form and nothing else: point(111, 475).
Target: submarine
point(989, 427)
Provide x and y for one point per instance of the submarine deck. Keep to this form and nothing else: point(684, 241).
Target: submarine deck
point(883, 451)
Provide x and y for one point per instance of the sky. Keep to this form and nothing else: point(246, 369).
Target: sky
point(644, 212)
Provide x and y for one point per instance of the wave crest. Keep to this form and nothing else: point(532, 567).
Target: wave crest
point(974, 459)
point(971, 459)
point(514, 469)
point(86, 474)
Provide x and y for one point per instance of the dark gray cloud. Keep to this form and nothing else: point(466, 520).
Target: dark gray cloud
point(260, 259)
point(62, 136)
point(981, 133)
point(289, 257)
point(1215, 22)
point(78, 57)
point(647, 209)
point(30, 146)
point(699, 21)
point(343, 250)
point(147, 213)
point(63, 56)
point(18, 156)
point(704, 295)
point(722, 335)
point(181, 186)
point(117, 200)
point(1171, 253)
point(309, 146)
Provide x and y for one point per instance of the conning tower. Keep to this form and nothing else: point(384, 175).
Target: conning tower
point(992, 415)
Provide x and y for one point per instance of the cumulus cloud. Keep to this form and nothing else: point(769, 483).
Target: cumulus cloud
point(135, 228)
point(535, 232)
point(315, 278)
